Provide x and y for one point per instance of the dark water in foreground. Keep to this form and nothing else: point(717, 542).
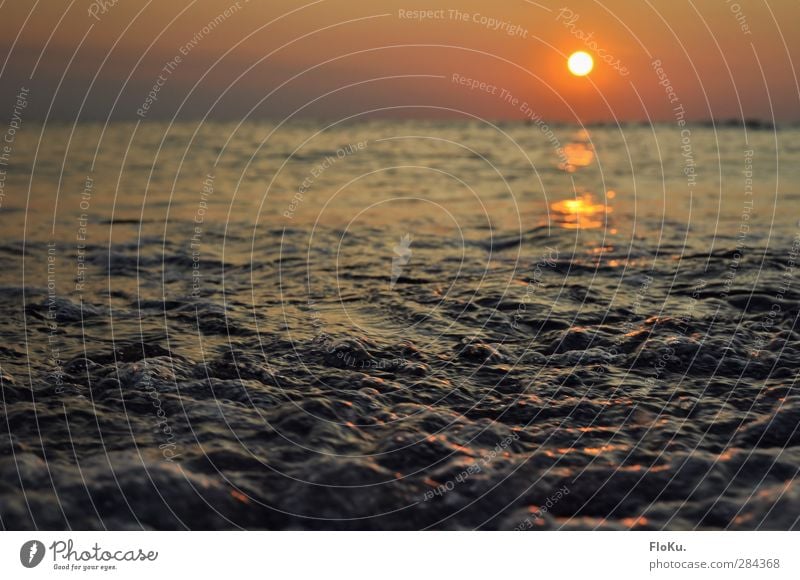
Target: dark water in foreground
point(393, 325)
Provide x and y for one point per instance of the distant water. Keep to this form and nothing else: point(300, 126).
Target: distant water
point(400, 325)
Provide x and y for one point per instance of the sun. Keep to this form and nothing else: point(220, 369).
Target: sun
point(580, 63)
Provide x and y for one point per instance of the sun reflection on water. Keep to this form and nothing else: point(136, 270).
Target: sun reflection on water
point(582, 212)
point(576, 155)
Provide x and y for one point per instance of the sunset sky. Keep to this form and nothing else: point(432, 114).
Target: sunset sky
point(722, 59)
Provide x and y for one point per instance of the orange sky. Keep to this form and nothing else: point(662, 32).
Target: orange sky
point(721, 59)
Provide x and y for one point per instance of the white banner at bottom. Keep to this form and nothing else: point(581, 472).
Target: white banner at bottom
point(400, 555)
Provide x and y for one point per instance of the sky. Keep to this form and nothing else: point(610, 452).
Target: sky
point(221, 59)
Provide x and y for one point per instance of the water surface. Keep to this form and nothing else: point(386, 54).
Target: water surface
point(400, 325)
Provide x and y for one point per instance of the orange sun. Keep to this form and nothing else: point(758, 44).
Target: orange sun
point(580, 63)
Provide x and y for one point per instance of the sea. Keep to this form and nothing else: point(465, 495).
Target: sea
point(389, 324)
